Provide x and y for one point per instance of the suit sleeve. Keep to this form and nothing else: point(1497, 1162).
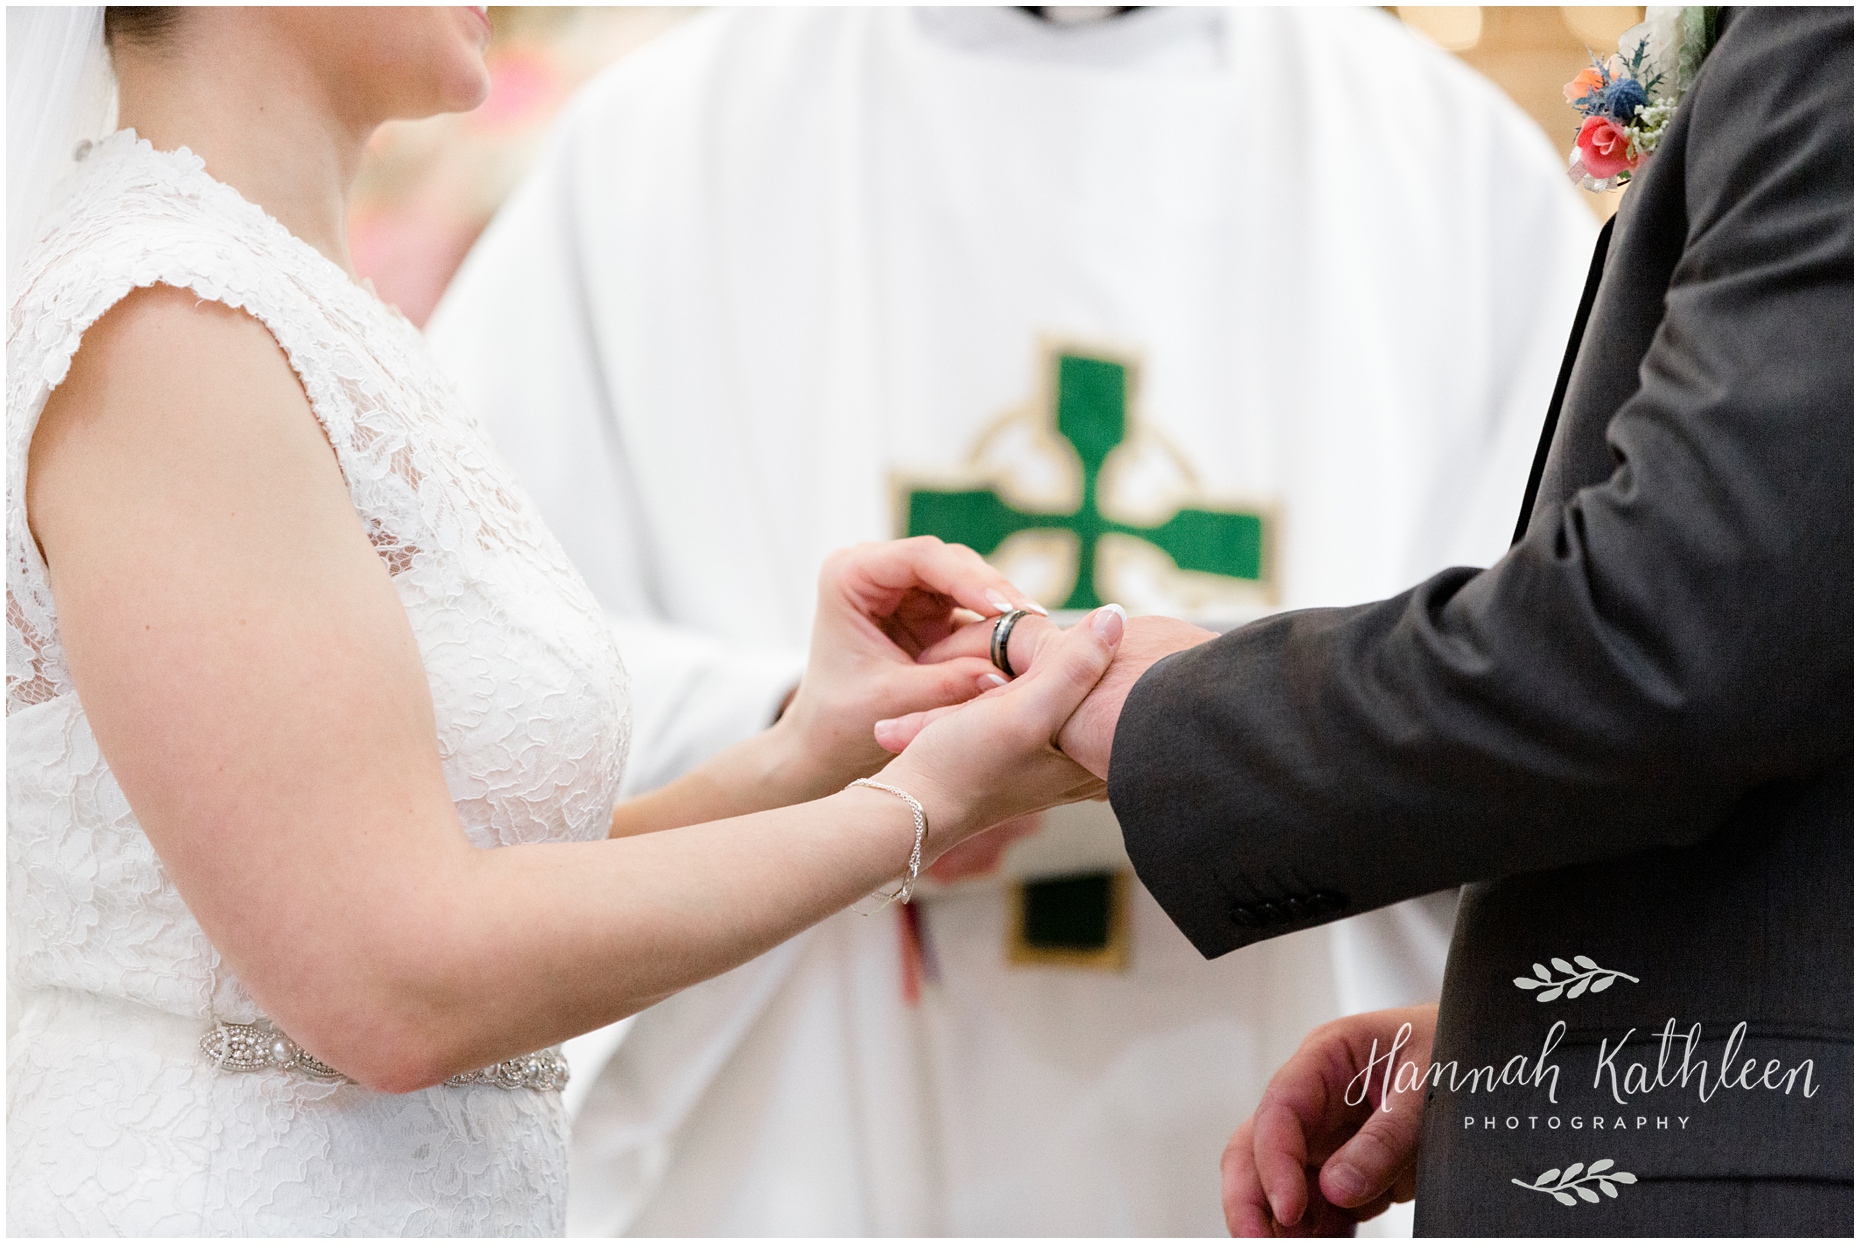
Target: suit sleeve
point(1660, 643)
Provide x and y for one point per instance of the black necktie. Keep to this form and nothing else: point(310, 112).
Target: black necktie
point(1562, 377)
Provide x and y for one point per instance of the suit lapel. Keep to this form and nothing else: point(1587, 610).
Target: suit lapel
point(1596, 264)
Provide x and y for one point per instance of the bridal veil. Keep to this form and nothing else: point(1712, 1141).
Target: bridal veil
point(59, 93)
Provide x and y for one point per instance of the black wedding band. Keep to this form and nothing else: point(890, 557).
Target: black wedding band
point(998, 646)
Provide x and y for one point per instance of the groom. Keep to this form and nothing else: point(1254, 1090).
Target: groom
point(1633, 737)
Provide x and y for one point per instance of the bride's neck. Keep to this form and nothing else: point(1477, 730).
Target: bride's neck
point(266, 124)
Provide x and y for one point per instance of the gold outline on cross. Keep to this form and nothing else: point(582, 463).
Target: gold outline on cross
point(1089, 403)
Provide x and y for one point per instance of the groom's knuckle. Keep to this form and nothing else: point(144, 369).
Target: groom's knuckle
point(1384, 1147)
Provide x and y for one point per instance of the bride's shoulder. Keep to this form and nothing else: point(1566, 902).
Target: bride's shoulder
point(123, 198)
point(130, 218)
point(164, 371)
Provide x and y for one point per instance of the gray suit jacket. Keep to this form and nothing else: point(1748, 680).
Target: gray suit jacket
point(1632, 737)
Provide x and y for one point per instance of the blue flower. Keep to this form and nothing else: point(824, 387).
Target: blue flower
point(1621, 98)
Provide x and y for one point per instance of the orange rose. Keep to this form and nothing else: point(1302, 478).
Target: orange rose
point(1583, 84)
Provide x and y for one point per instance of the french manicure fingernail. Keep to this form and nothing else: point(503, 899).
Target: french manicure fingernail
point(1000, 603)
point(1108, 622)
point(988, 682)
point(1034, 606)
point(880, 725)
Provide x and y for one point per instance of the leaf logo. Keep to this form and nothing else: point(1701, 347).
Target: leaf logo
point(1562, 1183)
point(1585, 976)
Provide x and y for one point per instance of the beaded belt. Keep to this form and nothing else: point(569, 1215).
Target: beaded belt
point(261, 1047)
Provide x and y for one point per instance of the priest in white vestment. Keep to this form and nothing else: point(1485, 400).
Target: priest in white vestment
point(1211, 312)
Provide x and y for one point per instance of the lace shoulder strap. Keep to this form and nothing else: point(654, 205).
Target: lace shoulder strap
point(133, 217)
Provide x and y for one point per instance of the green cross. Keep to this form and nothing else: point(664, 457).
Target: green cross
point(1091, 415)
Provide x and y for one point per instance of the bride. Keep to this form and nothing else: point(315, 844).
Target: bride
point(285, 647)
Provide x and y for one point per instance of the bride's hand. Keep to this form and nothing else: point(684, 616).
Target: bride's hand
point(1087, 737)
point(881, 606)
point(982, 763)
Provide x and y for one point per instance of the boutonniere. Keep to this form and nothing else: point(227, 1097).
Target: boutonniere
point(1628, 100)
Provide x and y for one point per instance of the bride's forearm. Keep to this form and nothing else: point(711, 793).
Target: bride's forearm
point(767, 770)
point(527, 946)
point(786, 764)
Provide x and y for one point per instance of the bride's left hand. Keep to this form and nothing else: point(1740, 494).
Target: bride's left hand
point(881, 606)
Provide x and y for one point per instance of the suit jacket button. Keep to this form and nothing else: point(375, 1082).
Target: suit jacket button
point(1324, 902)
point(1297, 908)
point(1269, 913)
point(1244, 917)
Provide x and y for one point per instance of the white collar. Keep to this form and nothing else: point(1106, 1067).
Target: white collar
point(1156, 39)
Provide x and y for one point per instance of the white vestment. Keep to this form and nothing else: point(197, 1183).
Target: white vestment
point(781, 267)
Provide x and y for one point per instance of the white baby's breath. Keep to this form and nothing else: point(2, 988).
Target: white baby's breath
point(1650, 126)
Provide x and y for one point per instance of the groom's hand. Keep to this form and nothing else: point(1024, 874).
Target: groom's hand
point(1327, 1148)
point(1086, 736)
point(996, 758)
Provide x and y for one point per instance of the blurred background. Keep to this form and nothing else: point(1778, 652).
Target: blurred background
point(428, 188)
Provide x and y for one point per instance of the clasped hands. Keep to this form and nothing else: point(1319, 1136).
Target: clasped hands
point(899, 677)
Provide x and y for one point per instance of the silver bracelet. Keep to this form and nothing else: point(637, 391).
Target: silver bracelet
point(903, 893)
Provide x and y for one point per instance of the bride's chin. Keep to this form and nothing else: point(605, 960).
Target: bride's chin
point(457, 90)
point(469, 92)
point(399, 64)
point(466, 81)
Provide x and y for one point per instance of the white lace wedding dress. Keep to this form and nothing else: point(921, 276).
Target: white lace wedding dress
point(117, 1123)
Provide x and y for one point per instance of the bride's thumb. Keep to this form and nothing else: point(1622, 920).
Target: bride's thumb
point(1068, 670)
